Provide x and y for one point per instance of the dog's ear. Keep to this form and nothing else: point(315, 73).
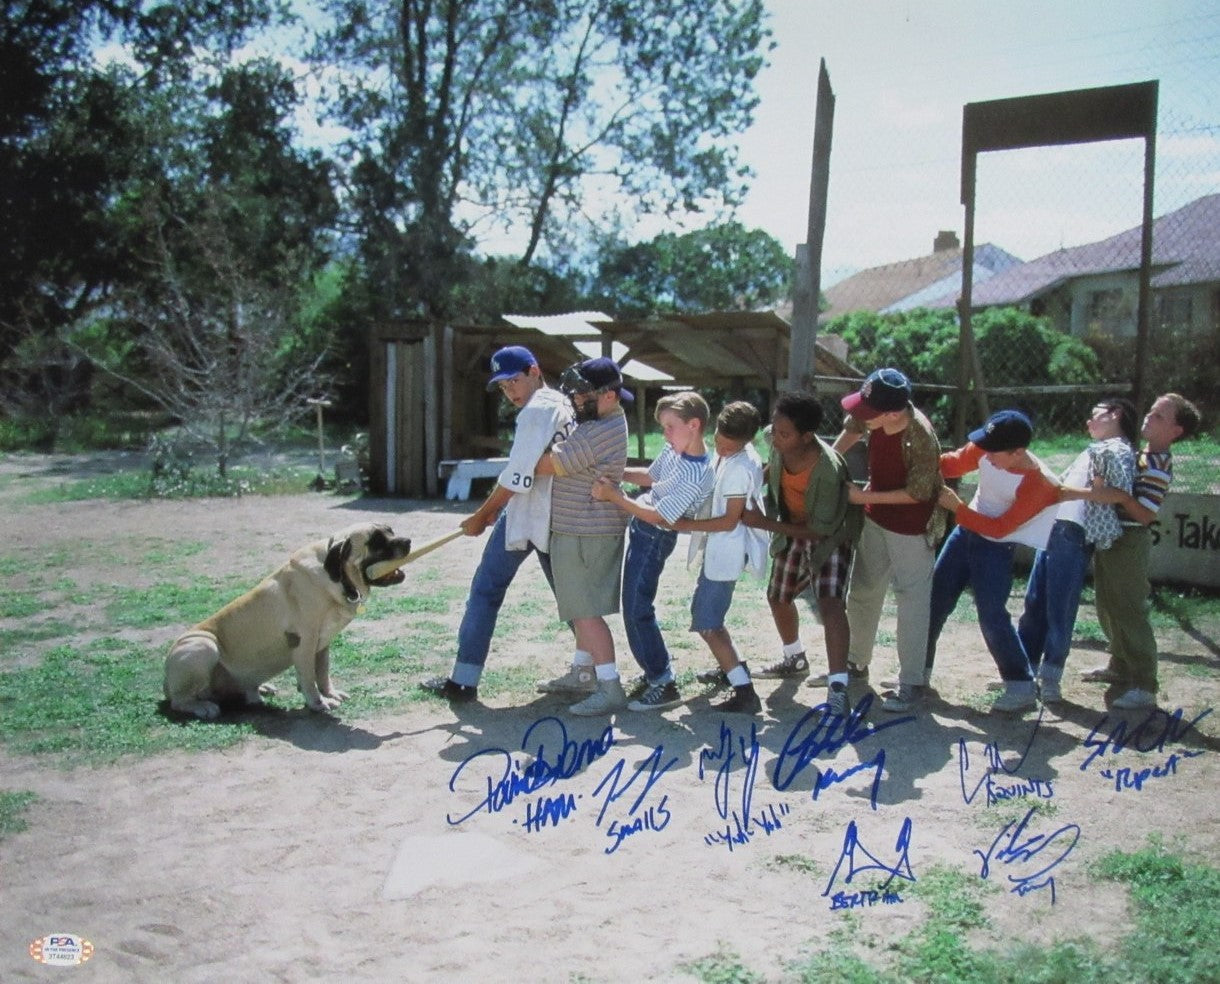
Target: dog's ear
point(336, 554)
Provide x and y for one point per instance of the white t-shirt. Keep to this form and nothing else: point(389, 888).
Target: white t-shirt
point(545, 419)
point(725, 554)
point(997, 492)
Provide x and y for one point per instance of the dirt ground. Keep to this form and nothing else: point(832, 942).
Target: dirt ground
point(507, 839)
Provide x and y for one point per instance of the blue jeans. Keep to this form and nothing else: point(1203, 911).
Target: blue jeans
point(495, 573)
point(1052, 598)
point(648, 547)
point(970, 560)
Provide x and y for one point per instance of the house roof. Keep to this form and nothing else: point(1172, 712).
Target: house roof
point(889, 287)
point(1185, 250)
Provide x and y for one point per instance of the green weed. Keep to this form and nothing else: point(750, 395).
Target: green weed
point(13, 806)
point(722, 967)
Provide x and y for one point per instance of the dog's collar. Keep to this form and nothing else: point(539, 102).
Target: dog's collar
point(350, 592)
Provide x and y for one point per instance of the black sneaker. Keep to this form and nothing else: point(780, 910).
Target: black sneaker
point(743, 700)
point(787, 668)
point(836, 700)
point(636, 687)
point(454, 692)
point(657, 697)
point(717, 678)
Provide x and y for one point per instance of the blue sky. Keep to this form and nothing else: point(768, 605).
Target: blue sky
point(901, 73)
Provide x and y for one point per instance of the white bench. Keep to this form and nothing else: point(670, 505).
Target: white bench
point(459, 473)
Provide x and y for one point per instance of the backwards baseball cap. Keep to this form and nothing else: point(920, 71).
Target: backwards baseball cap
point(594, 374)
point(1005, 430)
point(883, 391)
point(509, 361)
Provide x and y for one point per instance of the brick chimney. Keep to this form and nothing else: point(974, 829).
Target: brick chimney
point(945, 240)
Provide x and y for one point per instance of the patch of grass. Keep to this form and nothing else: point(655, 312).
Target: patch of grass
point(1177, 925)
point(27, 634)
point(97, 703)
point(722, 967)
point(1013, 811)
point(13, 805)
point(19, 604)
point(197, 484)
point(166, 603)
point(799, 863)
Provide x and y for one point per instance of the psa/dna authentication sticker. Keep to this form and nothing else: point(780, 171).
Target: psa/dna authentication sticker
point(61, 949)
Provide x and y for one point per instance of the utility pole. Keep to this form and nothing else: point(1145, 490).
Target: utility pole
point(807, 282)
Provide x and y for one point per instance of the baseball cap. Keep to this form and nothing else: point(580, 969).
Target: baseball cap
point(594, 374)
point(509, 361)
point(883, 391)
point(1004, 430)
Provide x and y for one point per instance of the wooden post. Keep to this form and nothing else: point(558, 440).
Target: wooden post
point(807, 282)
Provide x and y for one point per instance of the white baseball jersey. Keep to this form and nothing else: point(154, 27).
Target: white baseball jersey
point(545, 419)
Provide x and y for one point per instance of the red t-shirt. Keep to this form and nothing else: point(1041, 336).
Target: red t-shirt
point(887, 470)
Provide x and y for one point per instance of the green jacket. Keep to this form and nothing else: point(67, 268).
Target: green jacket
point(831, 519)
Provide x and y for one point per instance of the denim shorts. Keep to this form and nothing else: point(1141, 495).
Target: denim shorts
point(710, 604)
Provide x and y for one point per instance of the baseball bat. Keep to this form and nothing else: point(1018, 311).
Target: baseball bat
point(380, 570)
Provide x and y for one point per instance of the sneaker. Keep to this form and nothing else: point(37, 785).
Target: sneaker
point(1100, 674)
point(607, 699)
point(836, 700)
point(785, 669)
point(901, 700)
point(854, 672)
point(1135, 700)
point(657, 697)
point(454, 692)
point(1016, 700)
point(1050, 692)
point(713, 678)
point(637, 686)
point(578, 680)
point(743, 700)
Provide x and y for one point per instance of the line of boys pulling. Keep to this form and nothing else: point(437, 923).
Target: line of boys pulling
point(560, 496)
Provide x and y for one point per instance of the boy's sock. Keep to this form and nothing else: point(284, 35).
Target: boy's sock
point(582, 658)
point(607, 671)
point(739, 676)
point(793, 648)
point(834, 678)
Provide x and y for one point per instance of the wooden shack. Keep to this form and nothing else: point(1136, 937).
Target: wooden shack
point(428, 399)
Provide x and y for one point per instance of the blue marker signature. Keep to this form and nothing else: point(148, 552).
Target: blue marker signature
point(1153, 733)
point(655, 818)
point(1038, 788)
point(742, 822)
point(1008, 848)
point(901, 868)
point(511, 781)
point(738, 831)
point(831, 733)
point(1126, 778)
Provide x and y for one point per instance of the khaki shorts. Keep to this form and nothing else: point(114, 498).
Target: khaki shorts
point(588, 573)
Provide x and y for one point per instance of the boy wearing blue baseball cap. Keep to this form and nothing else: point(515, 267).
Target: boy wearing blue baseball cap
point(1016, 502)
point(519, 512)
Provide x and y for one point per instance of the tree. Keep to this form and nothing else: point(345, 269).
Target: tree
point(721, 268)
point(530, 114)
point(228, 234)
point(70, 146)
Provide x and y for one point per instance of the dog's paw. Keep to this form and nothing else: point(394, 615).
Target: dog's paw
point(205, 710)
point(267, 689)
point(336, 695)
point(323, 704)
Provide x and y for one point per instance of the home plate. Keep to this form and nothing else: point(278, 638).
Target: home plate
point(451, 860)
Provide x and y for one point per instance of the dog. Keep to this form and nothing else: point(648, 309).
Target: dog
point(287, 620)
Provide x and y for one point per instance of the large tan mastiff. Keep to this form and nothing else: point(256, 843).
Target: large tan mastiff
point(287, 620)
